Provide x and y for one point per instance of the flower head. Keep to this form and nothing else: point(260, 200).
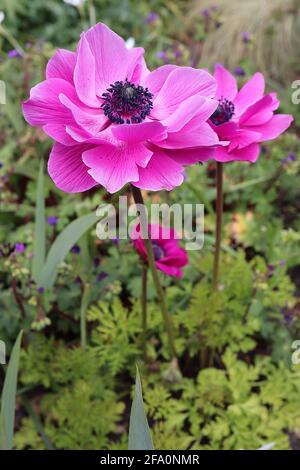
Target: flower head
point(13, 53)
point(239, 71)
point(245, 118)
point(20, 247)
point(152, 17)
point(169, 257)
point(115, 122)
point(52, 220)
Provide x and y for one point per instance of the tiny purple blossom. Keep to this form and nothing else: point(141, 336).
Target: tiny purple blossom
point(115, 241)
point(1, 164)
point(246, 37)
point(151, 18)
point(102, 275)
point(75, 249)
point(239, 72)
point(292, 157)
point(52, 220)
point(177, 54)
point(13, 53)
point(161, 55)
point(41, 290)
point(205, 13)
point(19, 247)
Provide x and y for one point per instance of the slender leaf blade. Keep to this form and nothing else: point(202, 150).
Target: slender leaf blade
point(139, 431)
point(39, 251)
point(61, 247)
point(8, 398)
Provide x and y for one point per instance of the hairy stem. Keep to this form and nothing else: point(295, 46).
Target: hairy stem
point(138, 198)
point(144, 310)
point(219, 215)
point(84, 306)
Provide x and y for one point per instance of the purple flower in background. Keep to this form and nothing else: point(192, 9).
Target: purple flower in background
point(52, 220)
point(161, 55)
point(246, 37)
point(19, 248)
point(292, 157)
point(115, 241)
point(239, 72)
point(75, 249)
point(152, 17)
point(102, 276)
point(96, 262)
point(177, 54)
point(1, 165)
point(13, 53)
point(41, 290)
point(205, 13)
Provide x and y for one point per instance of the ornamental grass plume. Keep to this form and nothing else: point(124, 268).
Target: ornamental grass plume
point(115, 122)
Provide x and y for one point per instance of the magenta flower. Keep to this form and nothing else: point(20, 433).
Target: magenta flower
point(169, 257)
point(115, 122)
point(245, 118)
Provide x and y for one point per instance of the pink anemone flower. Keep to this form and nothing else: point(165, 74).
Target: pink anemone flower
point(115, 122)
point(244, 118)
point(169, 256)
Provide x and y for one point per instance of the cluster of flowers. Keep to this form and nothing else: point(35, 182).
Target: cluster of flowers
point(114, 122)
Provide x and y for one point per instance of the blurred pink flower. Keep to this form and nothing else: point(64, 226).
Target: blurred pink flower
point(169, 257)
point(115, 122)
point(245, 118)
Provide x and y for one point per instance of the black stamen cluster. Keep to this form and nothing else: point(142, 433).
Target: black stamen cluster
point(223, 113)
point(124, 102)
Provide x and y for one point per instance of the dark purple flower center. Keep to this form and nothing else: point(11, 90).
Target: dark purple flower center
point(124, 102)
point(158, 251)
point(223, 113)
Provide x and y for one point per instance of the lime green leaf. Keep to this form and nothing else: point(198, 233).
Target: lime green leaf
point(8, 398)
point(139, 432)
point(40, 230)
point(61, 247)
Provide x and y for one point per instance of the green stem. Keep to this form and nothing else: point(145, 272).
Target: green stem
point(84, 306)
point(144, 310)
point(219, 214)
point(10, 38)
point(138, 198)
point(92, 13)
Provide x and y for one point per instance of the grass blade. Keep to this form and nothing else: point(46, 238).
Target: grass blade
point(39, 251)
point(61, 247)
point(139, 432)
point(8, 398)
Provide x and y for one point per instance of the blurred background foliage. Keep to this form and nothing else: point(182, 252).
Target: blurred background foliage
point(238, 388)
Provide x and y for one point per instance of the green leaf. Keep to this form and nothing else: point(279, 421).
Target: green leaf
point(139, 432)
point(61, 247)
point(40, 229)
point(8, 398)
